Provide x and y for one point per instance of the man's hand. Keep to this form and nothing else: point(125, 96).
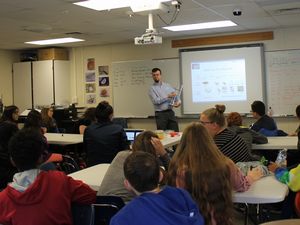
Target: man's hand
point(177, 104)
point(172, 95)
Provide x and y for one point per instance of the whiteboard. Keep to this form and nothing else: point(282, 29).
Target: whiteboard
point(131, 83)
point(283, 81)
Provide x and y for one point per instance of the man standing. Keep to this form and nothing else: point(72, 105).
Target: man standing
point(163, 97)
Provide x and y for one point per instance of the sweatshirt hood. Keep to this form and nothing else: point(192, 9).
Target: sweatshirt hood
point(176, 204)
point(26, 188)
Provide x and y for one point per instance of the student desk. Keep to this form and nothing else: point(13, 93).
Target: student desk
point(278, 143)
point(263, 191)
point(64, 139)
point(92, 176)
point(169, 141)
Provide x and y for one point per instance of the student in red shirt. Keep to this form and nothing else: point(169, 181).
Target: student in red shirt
point(39, 197)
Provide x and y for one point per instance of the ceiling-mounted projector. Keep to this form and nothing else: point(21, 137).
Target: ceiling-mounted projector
point(150, 37)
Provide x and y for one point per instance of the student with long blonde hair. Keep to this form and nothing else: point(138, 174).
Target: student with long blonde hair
point(200, 167)
point(229, 143)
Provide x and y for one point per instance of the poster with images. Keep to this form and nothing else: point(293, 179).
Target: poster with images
point(103, 70)
point(90, 88)
point(104, 92)
point(90, 64)
point(91, 99)
point(90, 76)
point(103, 81)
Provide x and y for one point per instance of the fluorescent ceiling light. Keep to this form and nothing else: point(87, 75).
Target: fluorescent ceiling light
point(198, 26)
point(54, 41)
point(146, 5)
point(136, 5)
point(104, 5)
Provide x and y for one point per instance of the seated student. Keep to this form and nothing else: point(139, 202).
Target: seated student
point(87, 119)
point(297, 131)
point(264, 124)
point(291, 177)
point(229, 143)
point(199, 167)
point(104, 139)
point(38, 197)
point(113, 181)
point(34, 121)
point(48, 121)
point(8, 127)
point(234, 123)
point(154, 205)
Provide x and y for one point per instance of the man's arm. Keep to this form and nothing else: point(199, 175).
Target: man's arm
point(156, 98)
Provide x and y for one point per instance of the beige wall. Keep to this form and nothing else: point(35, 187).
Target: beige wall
point(105, 55)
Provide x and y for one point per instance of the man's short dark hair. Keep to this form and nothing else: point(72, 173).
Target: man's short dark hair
point(142, 171)
point(155, 70)
point(103, 111)
point(26, 147)
point(258, 107)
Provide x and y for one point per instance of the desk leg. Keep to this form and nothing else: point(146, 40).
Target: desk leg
point(246, 214)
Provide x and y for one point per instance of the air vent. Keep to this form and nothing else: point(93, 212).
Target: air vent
point(287, 11)
point(74, 33)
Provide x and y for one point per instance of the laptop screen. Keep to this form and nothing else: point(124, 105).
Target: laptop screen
point(130, 135)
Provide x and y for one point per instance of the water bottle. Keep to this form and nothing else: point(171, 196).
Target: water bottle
point(270, 111)
point(281, 158)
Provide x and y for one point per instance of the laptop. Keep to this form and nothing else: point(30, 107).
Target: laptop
point(132, 134)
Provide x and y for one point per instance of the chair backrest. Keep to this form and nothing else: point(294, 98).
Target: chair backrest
point(82, 214)
point(68, 165)
point(121, 121)
point(105, 208)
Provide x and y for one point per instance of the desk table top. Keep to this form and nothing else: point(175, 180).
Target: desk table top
point(287, 142)
point(262, 191)
point(64, 139)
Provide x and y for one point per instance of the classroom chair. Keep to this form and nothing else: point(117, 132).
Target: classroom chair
point(82, 214)
point(105, 208)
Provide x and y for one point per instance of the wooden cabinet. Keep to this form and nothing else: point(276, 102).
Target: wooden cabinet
point(41, 83)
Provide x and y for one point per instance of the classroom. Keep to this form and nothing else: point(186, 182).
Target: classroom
point(94, 66)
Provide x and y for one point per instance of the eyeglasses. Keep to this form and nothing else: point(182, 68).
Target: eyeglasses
point(206, 122)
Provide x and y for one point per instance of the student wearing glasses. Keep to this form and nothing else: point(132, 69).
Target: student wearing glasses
point(229, 143)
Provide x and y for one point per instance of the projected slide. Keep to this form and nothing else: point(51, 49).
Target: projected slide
point(218, 81)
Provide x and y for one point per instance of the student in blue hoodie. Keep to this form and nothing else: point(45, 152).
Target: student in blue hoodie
point(154, 205)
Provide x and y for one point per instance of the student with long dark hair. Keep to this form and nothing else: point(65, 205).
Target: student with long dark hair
point(8, 127)
point(48, 121)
